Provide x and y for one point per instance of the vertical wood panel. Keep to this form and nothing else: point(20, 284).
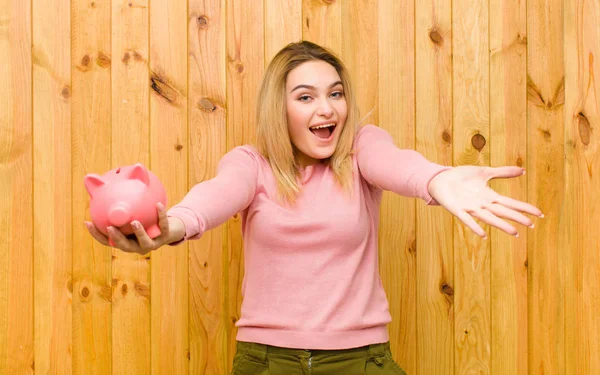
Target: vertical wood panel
point(397, 218)
point(16, 201)
point(91, 142)
point(471, 129)
point(582, 206)
point(545, 102)
point(283, 25)
point(245, 66)
point(52, 187)
point(130, 145)
point(360, 54)
point(508, 139)
point(207, 132)
point(435, 258)
point(169, 160)
point(322, 23)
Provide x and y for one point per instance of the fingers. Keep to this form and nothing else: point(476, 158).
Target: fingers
point(163, 222)
point(491, 219)
point(507, 213)
point(146, 243)
point(96, 233)
point(124, 243)
point(518, 205)
point(471, 223)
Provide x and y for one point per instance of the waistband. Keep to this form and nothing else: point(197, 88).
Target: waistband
point(262, 351)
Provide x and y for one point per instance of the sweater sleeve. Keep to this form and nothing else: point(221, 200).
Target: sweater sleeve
point(385, 166)
point(211, 203)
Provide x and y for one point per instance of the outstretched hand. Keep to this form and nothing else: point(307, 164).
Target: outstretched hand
point(171, 230)
point(464, 192)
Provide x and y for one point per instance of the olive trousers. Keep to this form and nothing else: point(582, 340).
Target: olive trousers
point(259, 359)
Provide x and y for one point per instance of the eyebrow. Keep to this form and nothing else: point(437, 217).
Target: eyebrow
point(313, 87)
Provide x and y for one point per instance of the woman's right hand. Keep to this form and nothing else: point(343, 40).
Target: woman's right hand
point(172, 229)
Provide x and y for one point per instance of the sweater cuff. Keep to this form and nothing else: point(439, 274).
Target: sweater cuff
point(429, 200)
point(194, 228)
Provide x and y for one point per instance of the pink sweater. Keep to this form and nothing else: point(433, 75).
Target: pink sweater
point(311, 272)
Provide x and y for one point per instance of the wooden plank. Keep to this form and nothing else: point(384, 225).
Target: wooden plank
point(245, 66)
point(322, 23)
point(283, 25)
point(545, 105)
point(397, 237)
point(16, 177)
point(471, 132)
point(52, 186)
point(435, 258)
point(91, 140)
point(208, 142)
point(130, 145)
point(508, 128)
point(582, 206)
point(169, 160)
point(360, 54)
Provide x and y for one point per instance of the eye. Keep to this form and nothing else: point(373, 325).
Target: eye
point(304, 98)
point(337, 94)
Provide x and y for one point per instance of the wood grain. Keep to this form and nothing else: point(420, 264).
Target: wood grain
point(130, 145)
point(546, 188)
point(435, 257)
point(245, 66)
point(283, 25)
point(53, 289)
point(322, 23)
point(581, 211)
point(16, 179)
point(91, 153)
point(360, 54)
point(208, 142)
point(471, 133)
point(508, 134)
point(169, 144)
point(173, 84)
point(397, 241)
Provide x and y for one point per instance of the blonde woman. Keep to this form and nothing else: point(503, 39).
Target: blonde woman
point(309, 196)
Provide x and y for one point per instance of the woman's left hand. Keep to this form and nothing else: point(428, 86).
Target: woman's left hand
point(464, 192)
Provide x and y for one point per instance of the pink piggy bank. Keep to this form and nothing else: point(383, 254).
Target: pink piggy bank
point(123, 195)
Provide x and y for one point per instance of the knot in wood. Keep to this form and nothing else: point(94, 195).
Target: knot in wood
point(202, 22)
point(436, 37)
point(447, 137)
point(478, 141)
point(66, 92)
point(206, 105)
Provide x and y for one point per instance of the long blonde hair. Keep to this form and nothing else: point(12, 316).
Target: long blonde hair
point(272, 135)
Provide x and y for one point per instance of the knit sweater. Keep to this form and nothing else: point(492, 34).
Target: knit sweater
point(311, 270)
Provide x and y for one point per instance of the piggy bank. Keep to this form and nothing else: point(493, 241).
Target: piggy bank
point(123, 195)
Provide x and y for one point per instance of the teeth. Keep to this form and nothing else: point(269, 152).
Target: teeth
point(322, 126)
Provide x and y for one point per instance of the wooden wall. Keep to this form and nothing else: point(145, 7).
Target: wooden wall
point(89, 85)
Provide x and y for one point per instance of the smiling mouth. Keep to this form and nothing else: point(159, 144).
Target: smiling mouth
point(323, 131)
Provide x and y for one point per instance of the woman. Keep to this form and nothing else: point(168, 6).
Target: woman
point(309, 196)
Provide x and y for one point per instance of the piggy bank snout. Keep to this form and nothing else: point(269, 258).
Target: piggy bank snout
point(119, 215)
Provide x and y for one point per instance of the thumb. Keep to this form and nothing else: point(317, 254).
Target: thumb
point(505, 172)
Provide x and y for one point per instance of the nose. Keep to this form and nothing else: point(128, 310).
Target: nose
point(325, 109)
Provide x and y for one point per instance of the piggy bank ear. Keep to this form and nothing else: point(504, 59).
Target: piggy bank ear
point(139, 172)
point(92, 182)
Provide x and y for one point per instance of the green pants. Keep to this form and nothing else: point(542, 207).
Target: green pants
point(259, 359)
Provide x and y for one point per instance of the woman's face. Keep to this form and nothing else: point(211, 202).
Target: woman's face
point(315, 98)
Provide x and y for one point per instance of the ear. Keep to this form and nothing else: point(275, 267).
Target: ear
point(92, 182)
point(139, 172)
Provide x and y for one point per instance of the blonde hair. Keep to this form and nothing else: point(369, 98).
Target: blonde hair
point(272, 135)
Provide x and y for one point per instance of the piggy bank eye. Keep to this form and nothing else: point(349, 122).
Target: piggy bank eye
point(119, 170)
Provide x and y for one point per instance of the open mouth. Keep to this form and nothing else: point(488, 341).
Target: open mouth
point(323, 131)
